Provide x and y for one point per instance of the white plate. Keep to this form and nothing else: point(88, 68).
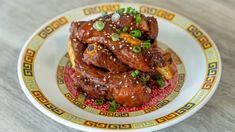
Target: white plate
point(42, 53)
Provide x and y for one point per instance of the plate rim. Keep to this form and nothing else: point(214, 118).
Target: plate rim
point(85, 128)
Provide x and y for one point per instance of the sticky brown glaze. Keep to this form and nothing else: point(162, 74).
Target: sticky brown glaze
point(121, 49)
point(121, 87)
point(99, 56)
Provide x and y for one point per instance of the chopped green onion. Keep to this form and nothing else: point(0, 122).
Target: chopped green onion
point(137, 18)
point(120, 10)
point(145, 78)
point(134, 12)
point(136, 49)
point(146, 44)
point(135, 73)
point(115, 17)
point(119, 31)
point(113, 106)
point(160, 82)
point(115, 36)
point(124, 29)
point(104, 13)
point(81, 98)
point(136, 33)
point(129, 10)
point(99, 101)
point(99, 25)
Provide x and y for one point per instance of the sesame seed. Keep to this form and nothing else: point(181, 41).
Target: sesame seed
point(109, 76)
point(125, 76)
point(120, 82)
point(148, 90)
point(113, 47)
point(114, 59)
point(132, 96)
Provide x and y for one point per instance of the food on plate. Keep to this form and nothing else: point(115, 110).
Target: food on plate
point(116, 57)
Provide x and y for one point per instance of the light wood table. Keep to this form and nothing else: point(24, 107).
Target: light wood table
point(20, 18)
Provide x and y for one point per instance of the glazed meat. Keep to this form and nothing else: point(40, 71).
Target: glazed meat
point(121, 87)
point(114, 56)
point(85, 32)
point(101, 57)
point(123, 49)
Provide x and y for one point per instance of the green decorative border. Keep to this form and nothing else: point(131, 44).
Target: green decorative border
point(208, 47)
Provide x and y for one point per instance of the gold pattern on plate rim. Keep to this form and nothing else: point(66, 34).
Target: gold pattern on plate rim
point(209, 49)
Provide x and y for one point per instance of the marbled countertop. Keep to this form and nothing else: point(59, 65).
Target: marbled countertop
point(20, 18)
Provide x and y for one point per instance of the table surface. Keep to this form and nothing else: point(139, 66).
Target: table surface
point(19, 19)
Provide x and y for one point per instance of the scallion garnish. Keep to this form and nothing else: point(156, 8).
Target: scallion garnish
point(113, 106)
point(124, 29)
point(137, 18)
point(99, 101)
point(160, 81)
point(99, 25)
point(129, 10)
point(136, 49)
point(134, 12)
point(135, 33)
point(120, 10)
point(145, 78)
point(135, 73)
point(115, 36)
point(81, 97)
point(146, 44)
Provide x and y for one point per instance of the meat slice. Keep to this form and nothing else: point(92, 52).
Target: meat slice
point(121, 87)
point(101, 57)
point(123, 51)
point(86, 33)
